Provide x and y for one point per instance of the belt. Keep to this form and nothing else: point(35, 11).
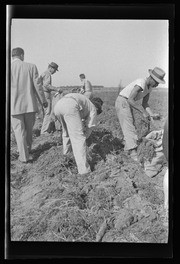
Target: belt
point(122, 96)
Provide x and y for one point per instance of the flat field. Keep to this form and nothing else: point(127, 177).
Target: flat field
point(116, 202)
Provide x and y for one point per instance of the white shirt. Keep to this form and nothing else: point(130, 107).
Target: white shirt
point(86, 85)
point(87, 109)
point(140, 82)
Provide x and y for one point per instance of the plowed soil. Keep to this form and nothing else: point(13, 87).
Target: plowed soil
point(116, 202)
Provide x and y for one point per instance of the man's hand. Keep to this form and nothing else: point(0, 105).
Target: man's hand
point(148, 118)
point(145, 115)
point(59, 90)
point(81, 91)
point(45, 104)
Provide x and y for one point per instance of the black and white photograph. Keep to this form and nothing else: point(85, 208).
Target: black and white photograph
point(89, 130)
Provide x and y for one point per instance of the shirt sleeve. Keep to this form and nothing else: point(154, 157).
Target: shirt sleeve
point(47, 82)
point(91, 120)
point(141, 83)
point(38, 84)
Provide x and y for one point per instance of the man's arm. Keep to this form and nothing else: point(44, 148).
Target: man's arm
point(147, 108)
point(132, 100)
point(47, 84)
point(38, 87)
point(91, 122)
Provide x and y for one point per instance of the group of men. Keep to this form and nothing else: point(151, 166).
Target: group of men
point(76, 112)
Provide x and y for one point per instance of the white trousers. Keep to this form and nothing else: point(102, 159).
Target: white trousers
point(23, 126)
point(67, 112)
point(126, 121)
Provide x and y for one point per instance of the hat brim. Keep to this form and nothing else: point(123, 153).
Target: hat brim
point(155, 78)
point(53, 67)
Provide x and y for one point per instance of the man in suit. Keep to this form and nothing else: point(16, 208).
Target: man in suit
point(48, 89)
point(26, 88)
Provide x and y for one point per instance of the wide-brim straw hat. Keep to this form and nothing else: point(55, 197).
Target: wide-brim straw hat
point(157, 74)
point(54, 65)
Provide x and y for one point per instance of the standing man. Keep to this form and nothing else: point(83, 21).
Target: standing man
point(48, 88)
point(126, 100)
point(77, 115)
point(25, 89)
point(86, 87)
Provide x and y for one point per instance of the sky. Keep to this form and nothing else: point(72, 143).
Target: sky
point(108, 52)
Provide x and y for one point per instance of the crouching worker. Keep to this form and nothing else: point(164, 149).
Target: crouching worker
point(72, 110)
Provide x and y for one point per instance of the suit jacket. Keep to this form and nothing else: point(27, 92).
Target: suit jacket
point(25, 87)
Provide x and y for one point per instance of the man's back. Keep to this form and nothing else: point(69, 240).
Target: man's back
point(23, 77)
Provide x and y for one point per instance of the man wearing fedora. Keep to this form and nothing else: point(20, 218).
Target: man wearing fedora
point(48, 88)
point(26, 88)
point(126, 100)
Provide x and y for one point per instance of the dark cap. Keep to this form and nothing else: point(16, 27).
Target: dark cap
point(17, 52)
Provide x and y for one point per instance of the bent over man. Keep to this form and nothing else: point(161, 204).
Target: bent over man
point(72, 111)
point(25, 89)
point(126, 100)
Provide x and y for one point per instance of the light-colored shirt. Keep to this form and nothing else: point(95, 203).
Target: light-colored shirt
point(87, 86)
point(140, 82)
point(87, 109)
point(46, 81)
